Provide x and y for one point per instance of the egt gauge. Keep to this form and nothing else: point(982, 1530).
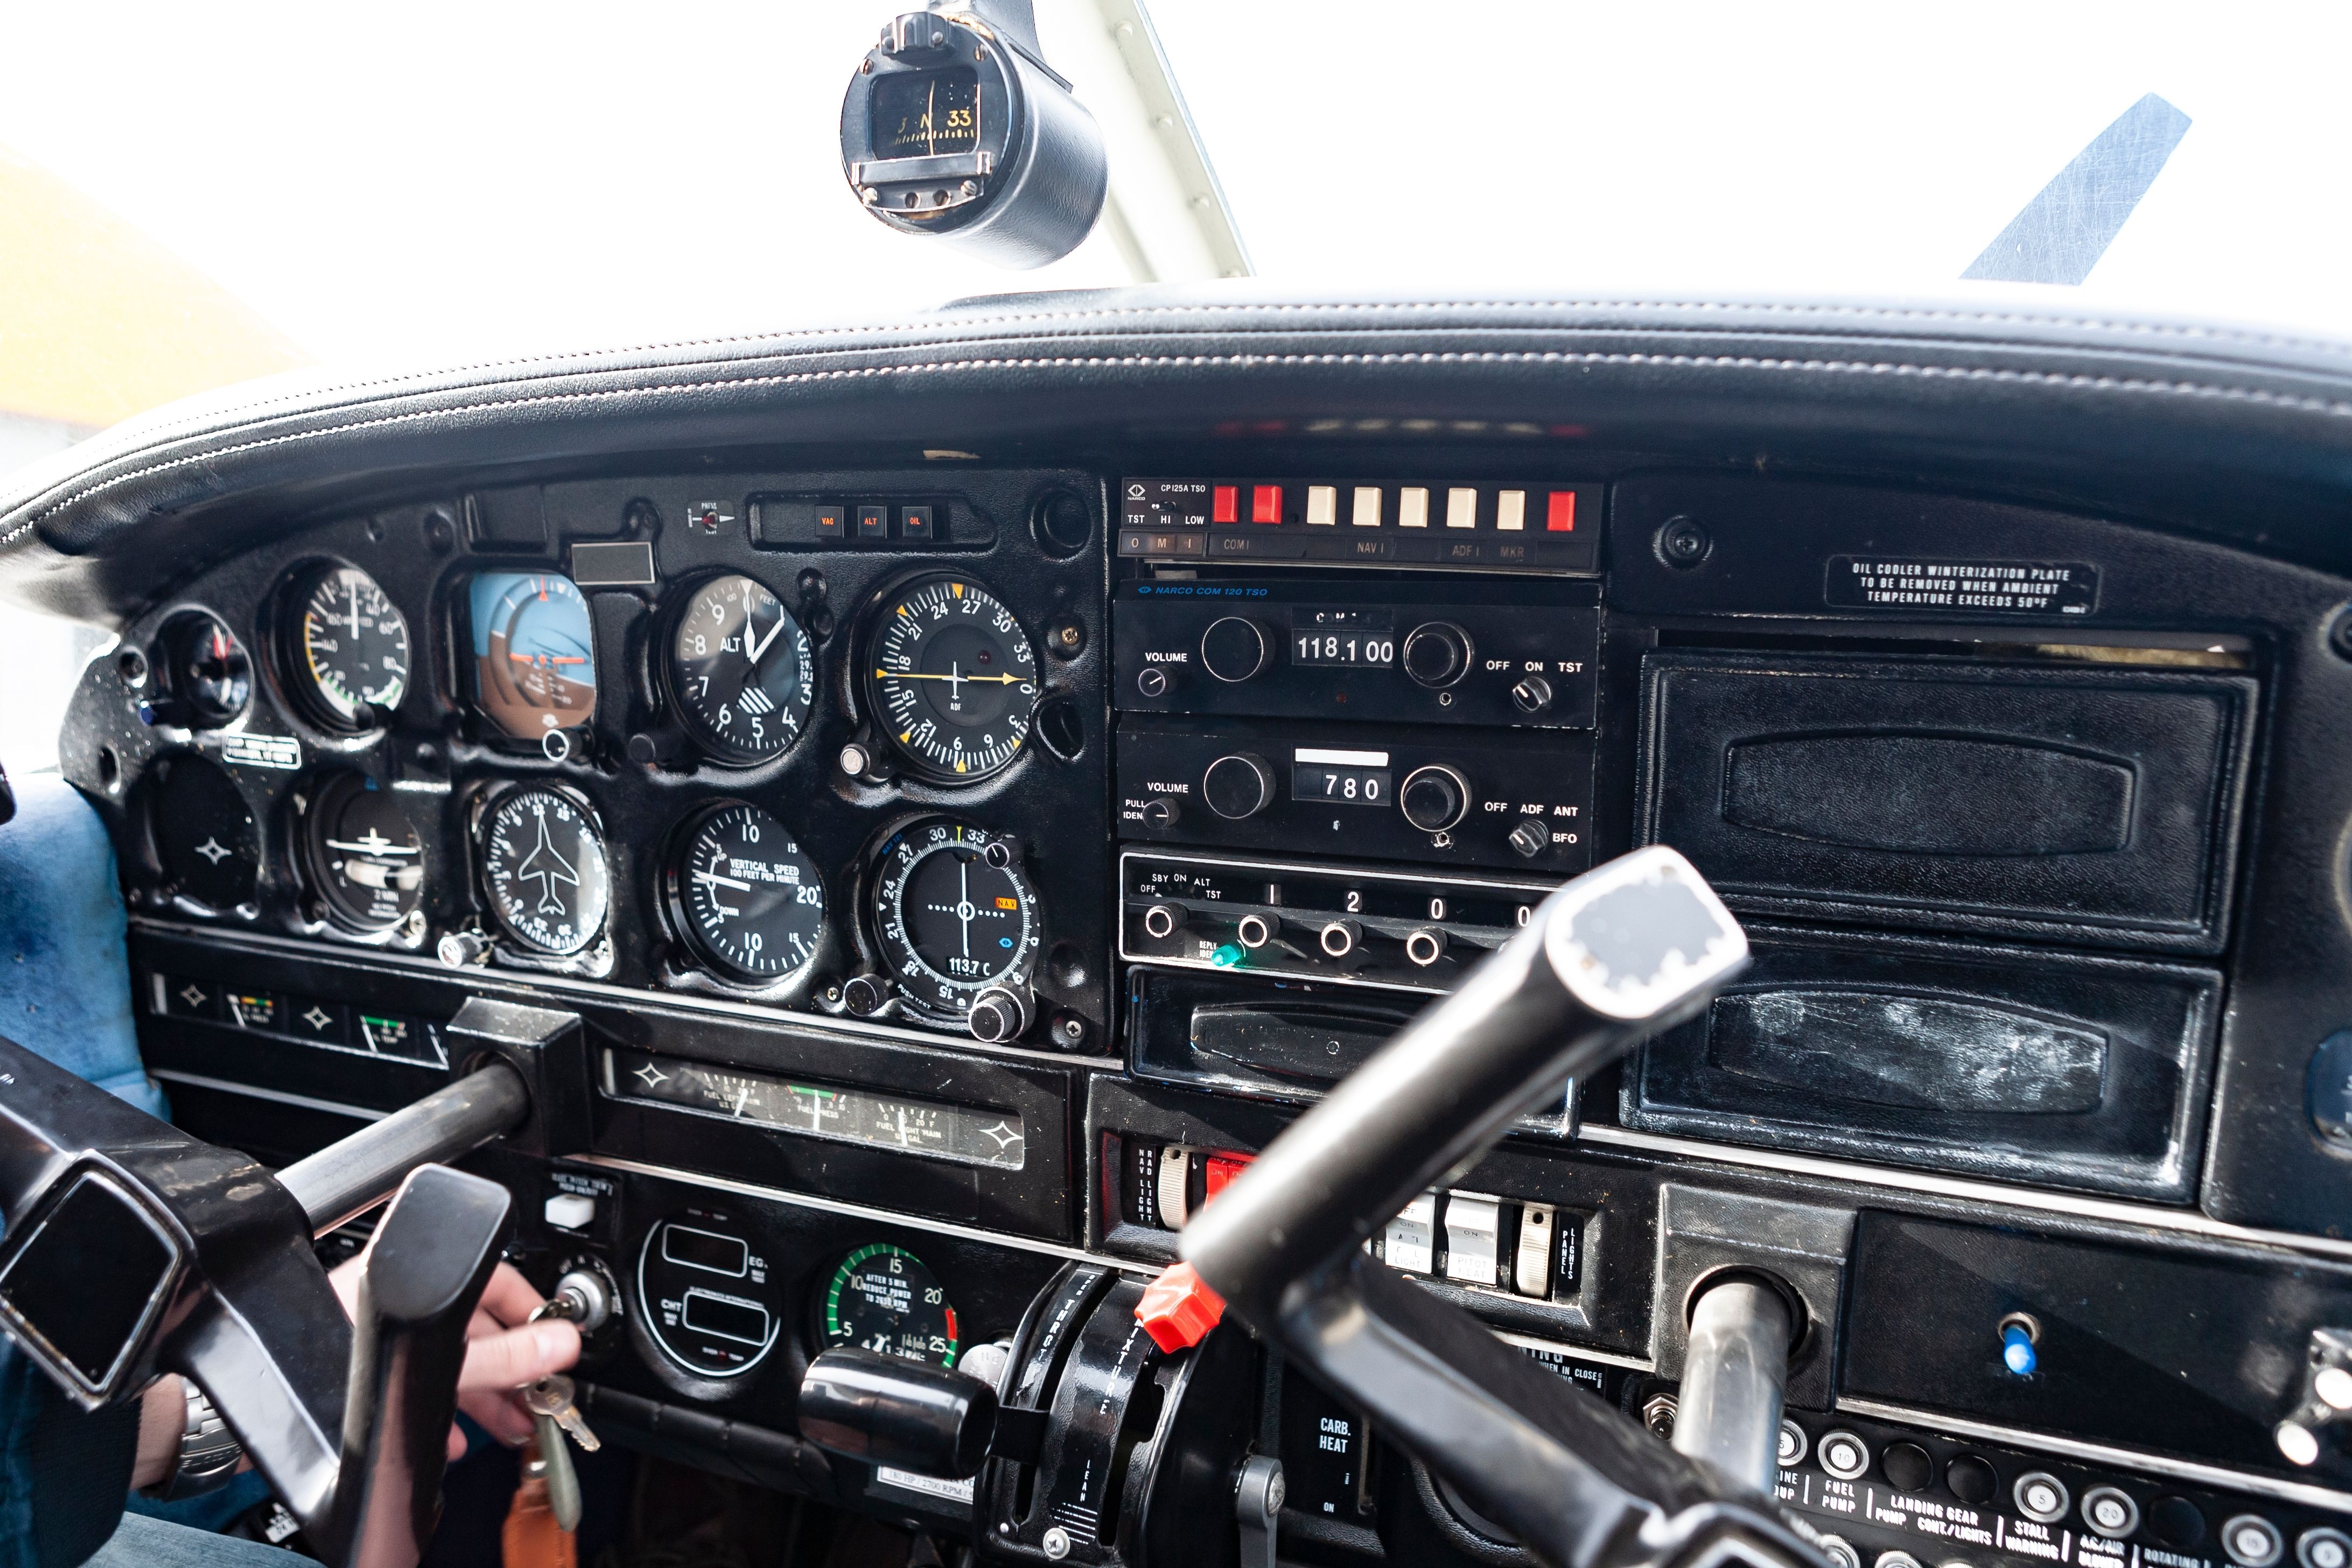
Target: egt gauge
point(954, 128)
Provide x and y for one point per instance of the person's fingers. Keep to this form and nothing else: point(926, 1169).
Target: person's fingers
point(508, 1297)
point(501, 1414)
point(511, 1359)
point(456, 1443)
point(345, 1278)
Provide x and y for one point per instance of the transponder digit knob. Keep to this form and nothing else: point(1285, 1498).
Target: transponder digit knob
point(1234, 649)
point(1436, 653)
point(1237, 786)
point(1434, 798)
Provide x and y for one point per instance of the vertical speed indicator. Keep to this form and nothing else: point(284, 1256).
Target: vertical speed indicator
point(950, 678)
point(750, 904)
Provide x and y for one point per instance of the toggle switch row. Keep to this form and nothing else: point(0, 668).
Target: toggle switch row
point(1491, 1243)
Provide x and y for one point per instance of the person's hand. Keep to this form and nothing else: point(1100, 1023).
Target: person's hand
point(504, 1355)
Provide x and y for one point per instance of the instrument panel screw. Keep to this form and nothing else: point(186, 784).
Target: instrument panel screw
point(1683, 543)
point(855, 760)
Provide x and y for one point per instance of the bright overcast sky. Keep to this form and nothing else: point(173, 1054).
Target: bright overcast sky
point(442, 180)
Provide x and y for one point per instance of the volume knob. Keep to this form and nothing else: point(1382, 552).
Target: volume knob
point(1436, 653)
point(1434, 798)
point(1234, 649)
point(1237, 786)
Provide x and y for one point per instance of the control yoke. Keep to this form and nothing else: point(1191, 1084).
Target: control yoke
point(133, 1249)
point(1611, 959)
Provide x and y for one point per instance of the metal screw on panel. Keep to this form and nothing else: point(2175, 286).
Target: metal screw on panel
point(1056, 1543)
point(855, 760)
point(1683, 543)
point(1070, 1031)
point(131, 665)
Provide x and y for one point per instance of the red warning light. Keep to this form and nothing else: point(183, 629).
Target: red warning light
point(1266, 503)
point(1559, 514)
point(1228, 504)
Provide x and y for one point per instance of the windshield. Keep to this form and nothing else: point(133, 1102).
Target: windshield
point(209, 194)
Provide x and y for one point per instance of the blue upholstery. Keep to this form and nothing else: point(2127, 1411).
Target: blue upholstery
point(65, 973)
point(65, 991)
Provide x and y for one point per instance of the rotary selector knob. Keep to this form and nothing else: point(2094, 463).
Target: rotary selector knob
point(1434, 798)
point(1237, 786)
point(1436, 653)
point(1234, 649)
point(1000, 1013)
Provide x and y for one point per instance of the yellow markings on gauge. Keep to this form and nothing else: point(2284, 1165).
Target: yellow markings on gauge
point(951, 677)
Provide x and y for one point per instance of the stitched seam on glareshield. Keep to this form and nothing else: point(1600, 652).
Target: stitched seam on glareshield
point(590, 360)
point(2084, 383)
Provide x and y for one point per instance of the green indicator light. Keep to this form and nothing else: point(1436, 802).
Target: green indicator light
point(1227, 955)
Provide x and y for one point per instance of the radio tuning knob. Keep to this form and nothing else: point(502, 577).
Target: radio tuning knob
point(1436, 653)
point(1434, 798)
point(1234, 649)
point(1237, 786)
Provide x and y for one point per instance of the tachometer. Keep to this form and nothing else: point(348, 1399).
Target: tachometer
point(747, 902)
point(953, 914)
point(883, 1299)
point(534, 654)
point(950, 678)
point(545, 869)
point(361, 854)
point(346, 647)
point(739, 668)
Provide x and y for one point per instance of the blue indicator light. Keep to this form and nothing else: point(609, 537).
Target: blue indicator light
point(1004, 941)
point(2017, 1349)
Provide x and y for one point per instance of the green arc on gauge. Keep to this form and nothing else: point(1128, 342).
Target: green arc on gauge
point(849, 1266)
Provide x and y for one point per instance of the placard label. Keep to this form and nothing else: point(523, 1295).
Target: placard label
point(1969, 587)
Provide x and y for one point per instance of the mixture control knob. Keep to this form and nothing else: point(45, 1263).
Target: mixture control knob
point(1234, 649)
point(1529, 838)
point(1436, 653)
point(1532, 695)
point(1237, 786)
point(1434, 798)
point(999, 1014)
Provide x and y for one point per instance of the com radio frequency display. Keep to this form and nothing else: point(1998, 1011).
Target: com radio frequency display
point(1463, 653)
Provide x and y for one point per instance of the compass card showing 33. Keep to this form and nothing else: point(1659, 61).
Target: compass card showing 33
point(950, 678)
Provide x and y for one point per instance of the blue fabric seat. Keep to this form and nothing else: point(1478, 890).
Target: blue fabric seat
point(65, 991)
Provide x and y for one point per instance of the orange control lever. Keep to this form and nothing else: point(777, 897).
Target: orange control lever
point(1178, 1309)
